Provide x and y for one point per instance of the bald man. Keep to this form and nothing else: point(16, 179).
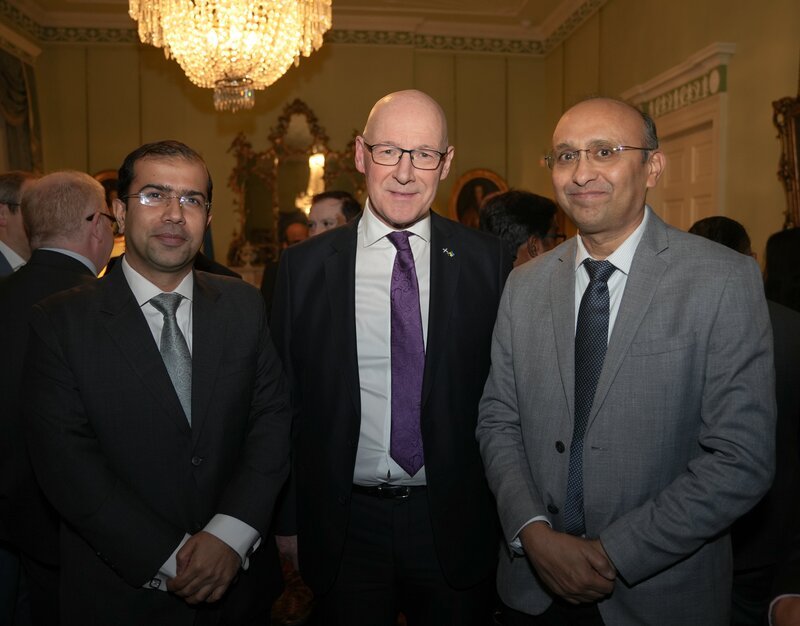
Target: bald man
point(393, 511)
point(621, 459)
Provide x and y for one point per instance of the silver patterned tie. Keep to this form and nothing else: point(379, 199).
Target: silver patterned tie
point(174, 351)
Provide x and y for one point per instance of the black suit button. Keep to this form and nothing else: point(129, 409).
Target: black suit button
point(559, 447)
point(197, 460)
point(552, 508)
point(342, 500)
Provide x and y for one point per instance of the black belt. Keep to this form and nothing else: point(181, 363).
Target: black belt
point(385, 490)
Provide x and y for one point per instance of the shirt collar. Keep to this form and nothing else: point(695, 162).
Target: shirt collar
point(14, 260)
point(144, 291)
point(76, 256)
point(622, 257)
point(374, 229)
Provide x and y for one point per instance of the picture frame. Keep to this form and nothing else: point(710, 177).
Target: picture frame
point(468, 194)
point(786, 117)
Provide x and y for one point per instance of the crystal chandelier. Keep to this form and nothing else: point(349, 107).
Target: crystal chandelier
point(234, 46)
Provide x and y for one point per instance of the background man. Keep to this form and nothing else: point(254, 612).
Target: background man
point(71, 236)
point(524, 221)
point(763, 537)
point(330, 209)
point(158, 419)
point(643, 422)
point(14, 246)
point(393, 512)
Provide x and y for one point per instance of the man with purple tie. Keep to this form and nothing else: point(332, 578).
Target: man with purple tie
point(392, 508)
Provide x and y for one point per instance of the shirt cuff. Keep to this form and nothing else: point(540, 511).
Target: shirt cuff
point(168, 570)
point(242, 538)
point(516, 543)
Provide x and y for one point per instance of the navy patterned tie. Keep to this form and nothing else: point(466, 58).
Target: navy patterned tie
point(591, 342)
point(408, 358)
point(174, 350)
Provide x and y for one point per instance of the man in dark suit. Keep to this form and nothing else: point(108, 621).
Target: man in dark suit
point(71, 236)
point(158, 420)
point(762, 538)
point(629, 416)
point(14, 246)
point(384, 326)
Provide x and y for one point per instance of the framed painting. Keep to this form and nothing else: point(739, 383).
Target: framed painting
point(468, 194)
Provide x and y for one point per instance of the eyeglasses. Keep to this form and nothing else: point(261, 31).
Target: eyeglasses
point(386, 154)
point(601, 154)
point(111, 218)
point(159, 199)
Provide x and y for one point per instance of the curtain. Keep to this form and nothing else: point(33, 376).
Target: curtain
point(19, 113)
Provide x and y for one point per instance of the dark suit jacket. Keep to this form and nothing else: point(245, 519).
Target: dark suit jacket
point(313, 321)
point(116, 456)
point(5, 266)
point(31, 523)
point(761, 537)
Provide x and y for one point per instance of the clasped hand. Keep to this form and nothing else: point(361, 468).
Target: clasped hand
point(206, 566)
point(574, 568)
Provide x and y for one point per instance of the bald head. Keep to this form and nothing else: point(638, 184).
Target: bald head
point(403, 154)
point(413, 105)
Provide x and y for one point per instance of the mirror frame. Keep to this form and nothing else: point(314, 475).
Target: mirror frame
point(786, 117)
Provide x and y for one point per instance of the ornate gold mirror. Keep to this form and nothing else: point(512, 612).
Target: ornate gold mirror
point(296, 165)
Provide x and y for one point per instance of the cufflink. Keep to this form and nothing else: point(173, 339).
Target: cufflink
point(155, 583)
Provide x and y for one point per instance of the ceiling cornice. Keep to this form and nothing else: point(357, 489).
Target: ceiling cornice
point(417, 32)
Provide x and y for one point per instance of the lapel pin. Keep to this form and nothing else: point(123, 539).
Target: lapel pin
point(448, 252)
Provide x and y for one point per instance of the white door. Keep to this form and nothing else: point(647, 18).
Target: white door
point(686, 191)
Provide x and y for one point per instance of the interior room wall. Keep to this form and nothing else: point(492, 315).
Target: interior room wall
point(98, 101)
point(628, 42)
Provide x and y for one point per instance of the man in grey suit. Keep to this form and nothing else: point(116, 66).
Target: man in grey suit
point(629, 414)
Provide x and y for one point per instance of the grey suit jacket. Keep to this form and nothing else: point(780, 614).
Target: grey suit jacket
point(680, 439)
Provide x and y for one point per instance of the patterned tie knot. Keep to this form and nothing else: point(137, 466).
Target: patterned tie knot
point(167, 303)
point(399, 239)
point(599, 270)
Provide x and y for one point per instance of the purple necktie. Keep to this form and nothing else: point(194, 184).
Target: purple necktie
point(408, 358)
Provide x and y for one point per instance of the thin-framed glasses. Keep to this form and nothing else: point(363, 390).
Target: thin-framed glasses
point(387, 154)
point(601, 154)
point(111, 218)
point(157, 198)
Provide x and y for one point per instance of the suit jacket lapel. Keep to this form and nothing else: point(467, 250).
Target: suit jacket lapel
point(125, 323)
point(562, 306)
point(444, 274)
point(211, 329)
point(643, 280)
point(340, 278)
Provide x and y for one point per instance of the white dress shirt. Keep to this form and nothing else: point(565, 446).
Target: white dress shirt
point(14, 260)
point(621, 258)
point(241, 537)
point(375, 256)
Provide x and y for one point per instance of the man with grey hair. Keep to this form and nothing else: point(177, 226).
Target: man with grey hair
point(71, 236)
point(14, 247)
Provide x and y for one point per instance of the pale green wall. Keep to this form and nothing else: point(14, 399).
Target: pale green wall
point(629, 42)
point(100, 101)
